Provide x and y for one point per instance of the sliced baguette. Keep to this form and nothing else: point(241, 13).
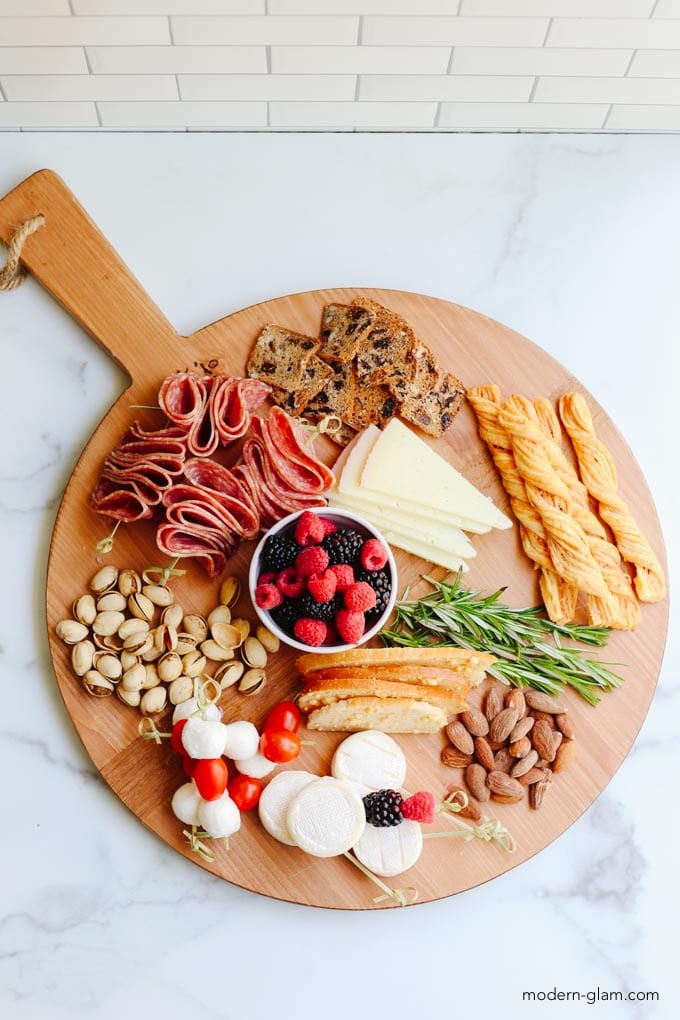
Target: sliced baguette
point(318, 693)
point(390, 715)
point(439, 657)
point(447, 679)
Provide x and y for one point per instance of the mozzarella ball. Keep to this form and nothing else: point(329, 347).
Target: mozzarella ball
point(187, 708)
point(256, 766)
point(203, 738)
point(242, 740)
point(185, 804)
point(219, 817)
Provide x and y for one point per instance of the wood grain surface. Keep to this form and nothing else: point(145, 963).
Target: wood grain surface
point(75, 263)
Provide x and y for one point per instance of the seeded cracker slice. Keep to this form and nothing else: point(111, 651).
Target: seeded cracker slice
point(336, 395)
point(372, 405)
point(386, 355)
point(434, 411)
point(280, 356)
point(315, 375)
point(343, 327)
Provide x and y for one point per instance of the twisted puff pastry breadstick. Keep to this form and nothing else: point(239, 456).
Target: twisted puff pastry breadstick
point(598, 471)
point(559, 597)
point(567, 542)
point(619, 609)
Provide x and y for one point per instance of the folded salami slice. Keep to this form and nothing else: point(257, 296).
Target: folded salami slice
point(233, 403)
point(284, 442)
point(213, 410)
point(176, 542)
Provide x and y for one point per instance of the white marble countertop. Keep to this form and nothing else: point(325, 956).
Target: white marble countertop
point(571, 240)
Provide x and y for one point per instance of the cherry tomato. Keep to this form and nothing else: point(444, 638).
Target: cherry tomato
point(284, 716)
point(176, 738)
point(245, 792)
point(279, 745)
point(210, 776)
point(189, 765)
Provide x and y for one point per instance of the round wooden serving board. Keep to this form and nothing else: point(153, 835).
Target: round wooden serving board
point(72, 259)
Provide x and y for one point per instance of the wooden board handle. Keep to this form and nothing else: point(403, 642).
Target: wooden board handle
point(77, 265)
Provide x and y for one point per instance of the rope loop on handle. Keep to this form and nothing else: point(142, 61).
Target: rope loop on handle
point(12, 274)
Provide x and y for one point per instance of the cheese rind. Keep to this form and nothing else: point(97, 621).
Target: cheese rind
point(390, 850)
point(275, 801)
point(370, 759)
point(326, 818)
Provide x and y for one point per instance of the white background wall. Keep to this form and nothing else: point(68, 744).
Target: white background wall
point(443, 65)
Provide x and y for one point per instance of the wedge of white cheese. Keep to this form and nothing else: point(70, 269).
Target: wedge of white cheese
point(275, 801)
point(326, 817)
point(390, 850)
point(371, 760)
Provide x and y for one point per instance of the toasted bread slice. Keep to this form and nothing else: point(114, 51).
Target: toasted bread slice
point(428, 676)
point(318, 693)
point(390, 715)
point(315, 376)
point(437, 656)
point(371, 404)
point(343, 327)
point(280, 357)
point(336, 395)
point(434, 410)
point(386, 354)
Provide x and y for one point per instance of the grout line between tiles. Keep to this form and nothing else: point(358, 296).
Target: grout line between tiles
point(606, 117)
point(437, 116)
point(630, 64)
point(172, 34)
point(99, 116)
point(449, 66)
point(656, 4)
point(533, 90)
point(547, 32)
point(2, 92)
point(268, 58)
point(360, 31)
point(356, 88)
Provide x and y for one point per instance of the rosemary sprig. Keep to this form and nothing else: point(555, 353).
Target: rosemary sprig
point(527, 646)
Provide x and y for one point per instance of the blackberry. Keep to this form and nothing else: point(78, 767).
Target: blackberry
point(381, 584)
point(343, 546)
point(383, 808)
point(285, 615)
point(279, 552)
point(307, 606)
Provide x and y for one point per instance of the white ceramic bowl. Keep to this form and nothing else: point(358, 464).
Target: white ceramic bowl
point(344, 519)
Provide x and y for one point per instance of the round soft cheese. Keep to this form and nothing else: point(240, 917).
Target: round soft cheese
point(275, 801)
point(326, 817)
point(370, 759)
point(390, 850)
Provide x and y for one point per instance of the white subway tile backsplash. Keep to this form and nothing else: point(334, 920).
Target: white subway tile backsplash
point(644, 118)
point(267, 86)
point(168, 6)
point(483, 88)
point(47, 115)
point(67, 87)
point(360, 59)
point(667, 9)
point(331, 115)
point(655, 64)
point(31, 7)
point(82, 31)
point(560, 8)
point(436, 31)
point(538, 60)
point(541, 116)
point(268, 31)
point(177, 59)
point(208, 115)
point(608, 90)
point(423, 7)
point(42, 60)
point(635, 33)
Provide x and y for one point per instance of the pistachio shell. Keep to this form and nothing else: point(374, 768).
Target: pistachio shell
point(185, 643)
point(108, 642)
point(129, 582)
point(111, 600)
point(196, 626)
point(159, 594)
point(138, 643)
point(169, 667)
point(104, 579)
point(228, 674)
point(269, 640)
point(132, 626)
point(97, 685)
point(108, 665)
point(164, 638)
point(131, 698)
point(230, 590)
point(216, 652)
point(153, 701)
point(180, 690)
point(107, 623)
point(84, 609)
point(128, 659)
point(82, 656)
point(141, 607)
point(241, 625)
point(220, 614)
point(151, 654)
point(254, 653)
point(71, 631)
point(152, 677)
point(134, 678)
point(194, 663)
point(226, 635)
point(173, 616)
point(253, 681)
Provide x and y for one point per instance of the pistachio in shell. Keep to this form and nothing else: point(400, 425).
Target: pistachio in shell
point(252, 682)
point(228, 674)
point(132, 626)
point(111, 600)
point(169, 667)
point(196, 626)
point(153, 701)
point(128, 659)
point(215, 652)
point(254, 653)
point(194, 663)
point(138, 642)
point(230, 591)
point(225, 635)
point(97, 685)
point(107, 623)
point(104, 580)
point(152, 677)
point(185, 643)
point(82, 657)
point(141, 607)
point(131, 698)
point(266, 638)
point(242, 625)
point(72, 631)
point(134, 678)
point(220, 614)
point(108, 664)
point(173, 615)
point(180, 690)
point(159, 594)
point(85, 610)
point(129, 582)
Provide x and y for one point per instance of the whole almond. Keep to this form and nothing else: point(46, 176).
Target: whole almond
point(475, 722)
point(496, 745)
point(565, 755)
point(473, 811)
point(503, 760)
point(460, 738)
point(521, 728)
point(520, 748)
point(543, 702)
point(530, 777)
point(521, 767)
point(544, 717)
point(484, 753)
point(515, 699)
point(503, 724)
point(454, 758)
point(542, 739)
point(557, 739)
point(537, 791)
point(502, 785)
point(475, 777)
point(565, 725)
point(493, 703)
point(499, 799)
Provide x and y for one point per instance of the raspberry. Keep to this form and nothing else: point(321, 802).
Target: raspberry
point(373, 555)
point(360, 597)
point(328, 526)
point(420, 807)
point(311, 632)
point(350, 625)
point(289, 584)
point(312, 560)
point(344, 576)
point(309, 529)
point(381, 584)
point(268, 578)
point(322, 586)
point(268, 596)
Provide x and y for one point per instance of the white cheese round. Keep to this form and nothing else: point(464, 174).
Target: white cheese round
point(275, 801)
point(372, 760)
point(390, 850)
point(326, 817)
